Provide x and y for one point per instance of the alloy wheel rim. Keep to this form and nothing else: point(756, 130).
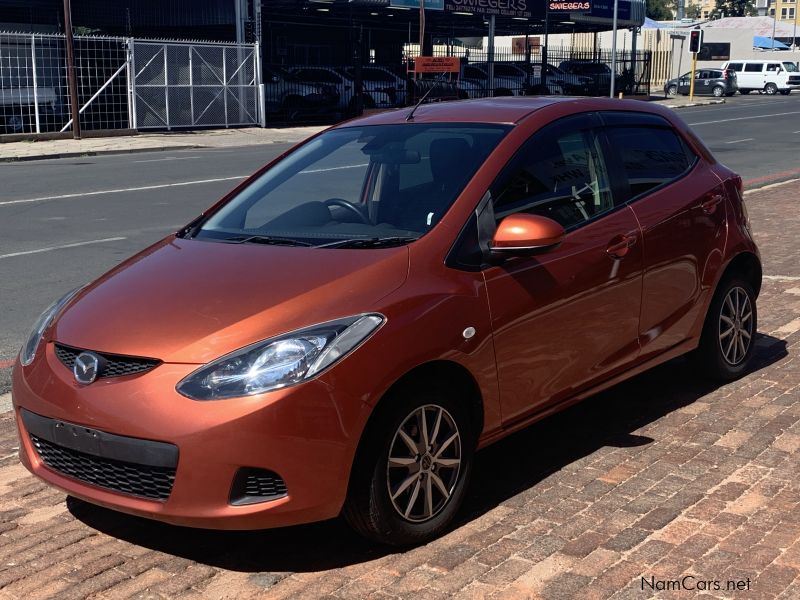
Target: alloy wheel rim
point(735, 326)
point(424, 463)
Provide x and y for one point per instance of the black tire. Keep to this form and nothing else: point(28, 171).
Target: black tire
point(714, 357)
point(770, 89)
point(718, 91)
point(369, 508)
point(672, 91)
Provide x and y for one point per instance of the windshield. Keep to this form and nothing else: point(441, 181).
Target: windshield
point(377, 182)
point(790, 67)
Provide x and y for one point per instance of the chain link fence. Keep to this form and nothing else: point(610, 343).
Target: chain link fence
point(125, 83)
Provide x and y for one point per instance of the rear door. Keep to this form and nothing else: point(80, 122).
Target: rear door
point(567, 318)
point(752, 76)
point(679, 203)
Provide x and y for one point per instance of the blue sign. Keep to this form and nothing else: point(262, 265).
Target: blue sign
point(429, 4)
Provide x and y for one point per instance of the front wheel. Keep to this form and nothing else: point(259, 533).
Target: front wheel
point(728, 340)
point(771, 89)
point(412, 468)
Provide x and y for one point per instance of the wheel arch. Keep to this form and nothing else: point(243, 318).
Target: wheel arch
point(450, 375)
point(745, 264)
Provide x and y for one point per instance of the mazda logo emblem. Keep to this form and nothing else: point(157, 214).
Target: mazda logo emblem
point(86, 368)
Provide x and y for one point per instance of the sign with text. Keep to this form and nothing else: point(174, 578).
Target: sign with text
point(557, 6)
point(429, 4)
point(605, 9)
point(518, 44)
point(501, 8)
point(437, 64)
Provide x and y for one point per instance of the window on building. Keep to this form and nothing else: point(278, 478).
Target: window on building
point(784, 13)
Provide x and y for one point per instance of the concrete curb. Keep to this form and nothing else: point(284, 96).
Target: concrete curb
point(691, 104)
point(78, 154)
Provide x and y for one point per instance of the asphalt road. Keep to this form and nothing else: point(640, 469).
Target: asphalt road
point(64, 222)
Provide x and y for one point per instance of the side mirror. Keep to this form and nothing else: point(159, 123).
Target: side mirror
point(524, 234)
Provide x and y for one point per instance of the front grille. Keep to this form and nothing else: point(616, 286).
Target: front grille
point(112, 365)
point(126, 477)
point(256, 485)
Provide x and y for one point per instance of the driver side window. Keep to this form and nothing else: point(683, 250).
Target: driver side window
point(562, 175)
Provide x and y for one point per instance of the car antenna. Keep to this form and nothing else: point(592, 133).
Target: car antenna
point(436, 82)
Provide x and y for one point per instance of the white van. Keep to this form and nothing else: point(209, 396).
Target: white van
point(769, 76)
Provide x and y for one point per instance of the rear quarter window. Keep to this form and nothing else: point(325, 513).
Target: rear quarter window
point(650, 156)
point(753, 68)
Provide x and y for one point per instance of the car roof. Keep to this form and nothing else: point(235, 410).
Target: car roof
point(503, 110)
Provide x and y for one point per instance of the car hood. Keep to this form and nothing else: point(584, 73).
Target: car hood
point(190, 301)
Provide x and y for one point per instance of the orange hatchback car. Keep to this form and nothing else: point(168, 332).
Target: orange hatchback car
point(345, 329)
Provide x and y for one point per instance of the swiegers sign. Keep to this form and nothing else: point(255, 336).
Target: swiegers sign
point(504, 8)
point(556, 6)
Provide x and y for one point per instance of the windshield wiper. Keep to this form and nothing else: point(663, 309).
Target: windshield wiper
point(265, 239)
point(376, 242)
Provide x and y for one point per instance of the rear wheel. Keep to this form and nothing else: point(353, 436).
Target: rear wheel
point(672, 90)
point(718, 91)
point(728, 340)
point(771, 89)
point(744, 91)
point(412, 468)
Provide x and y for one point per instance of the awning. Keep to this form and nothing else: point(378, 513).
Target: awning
point(760, 41)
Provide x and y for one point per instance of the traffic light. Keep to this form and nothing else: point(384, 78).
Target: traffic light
point(695, 40)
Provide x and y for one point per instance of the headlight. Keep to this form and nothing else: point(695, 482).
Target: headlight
point(28, 351)
point(279, 362)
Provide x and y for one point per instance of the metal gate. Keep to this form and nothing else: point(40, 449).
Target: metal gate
point(175, 85)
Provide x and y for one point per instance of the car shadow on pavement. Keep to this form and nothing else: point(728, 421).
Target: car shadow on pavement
point(502, 471)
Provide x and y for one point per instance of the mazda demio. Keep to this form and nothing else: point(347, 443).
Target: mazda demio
point(341, 332)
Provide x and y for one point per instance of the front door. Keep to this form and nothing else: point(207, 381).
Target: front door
point(569, 317)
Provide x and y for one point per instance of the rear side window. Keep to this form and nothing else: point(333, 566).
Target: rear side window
point(735, 66)
point(651, 156)
point(753, 68)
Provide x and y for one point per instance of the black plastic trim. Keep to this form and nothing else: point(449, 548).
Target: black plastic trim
point(99, 443)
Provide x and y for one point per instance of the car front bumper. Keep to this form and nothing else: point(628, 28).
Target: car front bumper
point(304, 434)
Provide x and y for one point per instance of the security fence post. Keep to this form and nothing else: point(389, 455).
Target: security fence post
point(130, 77)
point(35, 85)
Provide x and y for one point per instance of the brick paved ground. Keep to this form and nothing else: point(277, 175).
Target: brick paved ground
point(661, 477)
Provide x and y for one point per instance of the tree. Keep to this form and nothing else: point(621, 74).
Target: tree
point(660, 10)
point(735, 8)
point(694, 11)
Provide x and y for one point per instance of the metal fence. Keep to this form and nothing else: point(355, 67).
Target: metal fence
point(125, 83)
point(194, 85)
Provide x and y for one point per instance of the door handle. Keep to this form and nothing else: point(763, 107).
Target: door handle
point(709, 205)
point(619, 245)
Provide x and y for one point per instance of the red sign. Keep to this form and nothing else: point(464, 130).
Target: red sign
point(437, 64)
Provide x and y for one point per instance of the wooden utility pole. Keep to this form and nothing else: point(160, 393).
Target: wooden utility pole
point(73, 84)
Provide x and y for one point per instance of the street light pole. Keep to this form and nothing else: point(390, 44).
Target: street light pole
point(774, 23)
point(614, 51)
point(72, 82)
point(421, 27)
